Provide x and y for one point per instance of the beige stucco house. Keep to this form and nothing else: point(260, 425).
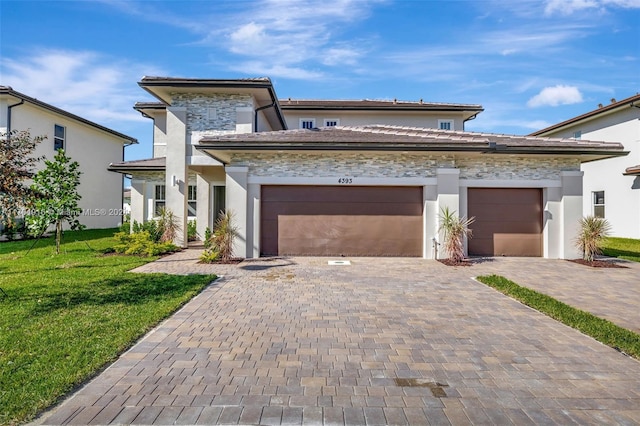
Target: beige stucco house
point(612, 186)
point(93, 146)
point(352, 178)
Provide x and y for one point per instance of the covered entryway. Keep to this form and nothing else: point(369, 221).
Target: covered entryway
point(508, 221)
point(341, 220)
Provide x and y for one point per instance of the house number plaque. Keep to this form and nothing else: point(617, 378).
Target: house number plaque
point(345, 180)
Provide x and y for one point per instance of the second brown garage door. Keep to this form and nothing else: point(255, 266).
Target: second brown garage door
point(508, 221)
point(341, 220)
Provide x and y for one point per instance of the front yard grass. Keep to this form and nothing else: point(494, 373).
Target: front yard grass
point(623, 248)
point(65, 317)
point(600, 329)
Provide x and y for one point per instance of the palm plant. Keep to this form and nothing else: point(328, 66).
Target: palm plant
point(593, 231)
point(168, 225)
point(455, 229)
point(220, 242)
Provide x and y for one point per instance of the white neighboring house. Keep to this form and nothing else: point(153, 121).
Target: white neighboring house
point(93, 146)
point(352, 178)
point(612, 186)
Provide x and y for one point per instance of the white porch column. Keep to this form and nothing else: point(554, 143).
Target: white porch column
point(236, 202)
point(448, 196)
point(138, 202)
point(176, 179)
point(429, 220)
point(571, 212)
point(253, 221)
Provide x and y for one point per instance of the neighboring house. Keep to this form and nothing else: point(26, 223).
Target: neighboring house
point(611, 187)
point(93, 146)
point(371, 180)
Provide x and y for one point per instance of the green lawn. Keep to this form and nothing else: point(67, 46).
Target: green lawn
point(624, 248)
point(64, 317)
point(600, 329)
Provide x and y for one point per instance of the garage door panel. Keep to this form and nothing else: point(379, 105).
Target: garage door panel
point(508, 221)
point(324, 221)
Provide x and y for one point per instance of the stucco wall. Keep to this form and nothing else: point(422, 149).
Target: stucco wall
point(94, 150)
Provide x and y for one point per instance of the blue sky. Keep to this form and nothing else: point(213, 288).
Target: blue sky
point(529, 63)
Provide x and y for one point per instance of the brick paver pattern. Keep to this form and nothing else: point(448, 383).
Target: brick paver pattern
point(382, 341)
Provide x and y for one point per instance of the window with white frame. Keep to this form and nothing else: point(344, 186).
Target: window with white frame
point(160, 197)
point(192, 200)
point(331, 122)
point(577, 135)
point(59, 136)
point(307, 123)
point(445, 124)
point(598, 204)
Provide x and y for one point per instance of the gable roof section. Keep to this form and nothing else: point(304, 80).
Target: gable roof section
point(632, 101)
point(6, 90)
point(632, 171)
point(261, 88)
point(148, 165)
point(400, 138)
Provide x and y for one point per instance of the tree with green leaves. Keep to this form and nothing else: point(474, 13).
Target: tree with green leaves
point(57, 199)
point(17, 165)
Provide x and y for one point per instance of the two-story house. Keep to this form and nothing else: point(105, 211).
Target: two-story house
point(366, 178)
point(93, 146)
point(612, 186)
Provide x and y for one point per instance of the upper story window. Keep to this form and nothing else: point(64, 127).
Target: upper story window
point(192, 200)
point(598, 204)
point(445, 124)
point(331, 122)
point(577, 135)
point(307, 123)
point(59, 134)
point(159, 201)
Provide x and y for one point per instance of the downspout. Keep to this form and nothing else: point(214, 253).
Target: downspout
point(255, 118)
point(9, 116)
point(473, 117)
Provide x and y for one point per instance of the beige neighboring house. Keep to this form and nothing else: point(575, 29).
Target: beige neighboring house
point(93, 146)
point(352, 178)
point(612, 186)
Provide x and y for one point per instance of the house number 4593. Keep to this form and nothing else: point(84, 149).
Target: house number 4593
point(345, 180)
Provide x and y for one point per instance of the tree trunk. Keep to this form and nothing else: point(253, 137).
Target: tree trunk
point(58, 235)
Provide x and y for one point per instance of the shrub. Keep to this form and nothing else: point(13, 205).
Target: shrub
point(219, 245)
point(192, 232)
point(168, 225)
point(150, 226)
point(593, 231)
point(141, 244)
point(455, 229)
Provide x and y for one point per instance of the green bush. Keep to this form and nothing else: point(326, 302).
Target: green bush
point(210, 256)
point(150, 226)
point(141, 244)
point(192, 233)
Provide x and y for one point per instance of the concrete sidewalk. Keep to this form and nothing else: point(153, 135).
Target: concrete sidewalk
point(380, 341)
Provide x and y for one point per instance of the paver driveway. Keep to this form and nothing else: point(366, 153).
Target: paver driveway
point(382, 341)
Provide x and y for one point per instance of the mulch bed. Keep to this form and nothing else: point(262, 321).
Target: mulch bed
point(450, 262)
point(233, 261)
point(599, 263)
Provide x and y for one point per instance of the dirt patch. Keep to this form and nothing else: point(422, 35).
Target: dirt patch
point(599, 263)
point(450, 262)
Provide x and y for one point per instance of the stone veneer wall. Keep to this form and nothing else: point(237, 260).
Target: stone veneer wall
point(224, 105)
point(402, 165)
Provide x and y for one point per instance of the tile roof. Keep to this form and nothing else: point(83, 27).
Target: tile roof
point(630, 101)
point(632, 171)
point(149, 164)
point(371, 104)
point(400, 136)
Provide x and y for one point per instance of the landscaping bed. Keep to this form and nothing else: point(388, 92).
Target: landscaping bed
point(64, 317)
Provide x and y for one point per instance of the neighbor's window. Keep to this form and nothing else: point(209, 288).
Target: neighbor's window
point(161, 191)
point(577, 135)
point(598, 204)
point(191, 200)
point(307, 123)
point(58, 137)
point(445, 124)
point(331, 122)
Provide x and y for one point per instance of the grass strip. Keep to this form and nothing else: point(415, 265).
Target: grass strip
point(65, 317)
point(600, 329)
point(622, 248)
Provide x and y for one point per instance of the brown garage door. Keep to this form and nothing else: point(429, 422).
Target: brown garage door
point(341, 220)
point(508, 221)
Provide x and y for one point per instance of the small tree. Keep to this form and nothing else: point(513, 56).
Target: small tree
point(168, 225)
point(455, 229)
point(16, 167)
point(57, 201)
point(219, 243)
point(593, 231)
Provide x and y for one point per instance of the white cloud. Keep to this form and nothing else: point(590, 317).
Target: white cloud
point(556, 95)
point(85, 83)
